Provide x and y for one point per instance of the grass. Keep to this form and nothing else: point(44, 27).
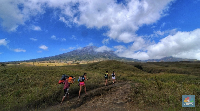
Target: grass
point(159, 85)
point(163, 88)
point(166, 88)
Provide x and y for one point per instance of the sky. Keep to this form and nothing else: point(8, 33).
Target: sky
point(138, 29)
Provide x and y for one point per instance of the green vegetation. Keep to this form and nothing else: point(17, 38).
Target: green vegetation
point(155, 85)
point(165, 83)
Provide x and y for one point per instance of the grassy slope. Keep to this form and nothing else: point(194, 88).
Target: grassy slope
point(165, 84)
point(36, 87)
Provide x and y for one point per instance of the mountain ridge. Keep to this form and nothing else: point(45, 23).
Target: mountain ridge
point(170, 59)
point(90, 53)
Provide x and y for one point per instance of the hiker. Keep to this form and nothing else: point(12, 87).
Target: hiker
point(71, 79)
point(82, 83)
point(66, 88)
point(106, 78)
point(113, 77)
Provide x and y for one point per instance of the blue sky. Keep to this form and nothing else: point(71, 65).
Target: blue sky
point(139, 29)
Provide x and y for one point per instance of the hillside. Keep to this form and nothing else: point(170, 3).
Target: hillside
point(170, 59)
point(140, 86)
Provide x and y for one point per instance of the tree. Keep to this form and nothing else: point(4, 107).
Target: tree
point(3, 64)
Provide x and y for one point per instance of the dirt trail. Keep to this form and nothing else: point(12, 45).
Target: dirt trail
point(107, 98)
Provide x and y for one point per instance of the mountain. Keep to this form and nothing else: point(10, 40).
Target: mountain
point(87, 53)
point(169, 59)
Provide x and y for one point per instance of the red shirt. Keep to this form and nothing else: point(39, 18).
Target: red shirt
point(66, 86)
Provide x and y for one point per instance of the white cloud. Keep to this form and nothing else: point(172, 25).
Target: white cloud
point(65, 21)
point(17, 12)
point(90, 44)
point(162, 33)
point(119, 48)
point(135, 55)
point(157, 33)
point(43, 47)
point(10, 15)
point(163, 24)
point(33, 39)
point(139, 44)
point(3, 42)
point(105, 41)
point(130, 52)
point(19, 50)
point(36, 28)
point(39, 51)
point(102, 49)
point(63, 39)
point(62, 49)
point(79, 48)
point(53, 37)
point(180, 44)
point(71, 48)
point(73, 37)
point(68, 49)
point(123, 21)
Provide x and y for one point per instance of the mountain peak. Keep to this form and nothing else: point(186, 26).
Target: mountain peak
point(87, 53)
point(88, 48)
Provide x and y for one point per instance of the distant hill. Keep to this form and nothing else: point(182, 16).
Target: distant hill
point(169, 59)
point(88, 53)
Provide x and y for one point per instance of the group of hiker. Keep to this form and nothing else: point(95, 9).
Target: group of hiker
point(106, 77)
point(67, 80)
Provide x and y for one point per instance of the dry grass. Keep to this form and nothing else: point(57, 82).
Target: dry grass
point(26, 86)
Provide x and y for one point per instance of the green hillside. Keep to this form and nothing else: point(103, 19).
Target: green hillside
point(34, 87)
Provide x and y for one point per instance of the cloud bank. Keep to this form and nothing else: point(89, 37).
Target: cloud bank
point(181, 44)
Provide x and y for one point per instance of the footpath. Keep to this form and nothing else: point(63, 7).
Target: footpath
point(114, 97)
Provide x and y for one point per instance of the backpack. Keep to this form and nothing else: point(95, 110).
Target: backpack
point(106, 75)
point(113, 75)
point(62, 79)
point(81, 78)
point(71, 79)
